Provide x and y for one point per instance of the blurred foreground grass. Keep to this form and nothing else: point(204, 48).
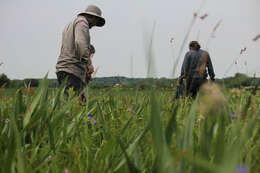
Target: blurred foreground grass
point(128, 131)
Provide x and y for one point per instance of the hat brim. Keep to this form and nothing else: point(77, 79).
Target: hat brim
point(101, 21)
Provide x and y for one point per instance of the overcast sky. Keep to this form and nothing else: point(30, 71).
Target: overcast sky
point(30, 35)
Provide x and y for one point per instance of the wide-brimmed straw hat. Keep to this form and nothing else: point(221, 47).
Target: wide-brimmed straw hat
point(95, 11)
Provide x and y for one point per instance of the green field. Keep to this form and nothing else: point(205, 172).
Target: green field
point(129, 130)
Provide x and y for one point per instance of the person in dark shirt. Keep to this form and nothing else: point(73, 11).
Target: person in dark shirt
point(195, 69)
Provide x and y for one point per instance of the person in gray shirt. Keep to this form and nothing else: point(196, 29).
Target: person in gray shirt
point(74, 58)
point(195, 69)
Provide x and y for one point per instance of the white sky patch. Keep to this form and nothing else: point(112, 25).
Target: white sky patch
point(31, 31)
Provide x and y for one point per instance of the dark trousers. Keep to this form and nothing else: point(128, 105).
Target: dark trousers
point(179, 91)
point(72, 82)
point(193, 86)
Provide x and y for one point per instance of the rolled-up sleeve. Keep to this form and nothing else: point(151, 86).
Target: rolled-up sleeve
point(82, 41)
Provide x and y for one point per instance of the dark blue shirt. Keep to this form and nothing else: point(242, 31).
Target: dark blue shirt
point(197, 64)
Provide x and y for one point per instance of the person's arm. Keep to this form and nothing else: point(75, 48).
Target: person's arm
point(82, 41)
point(185, 66)
point(210, 69)
point(90, 67)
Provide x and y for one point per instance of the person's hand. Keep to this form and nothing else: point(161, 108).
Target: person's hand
point(90, 69)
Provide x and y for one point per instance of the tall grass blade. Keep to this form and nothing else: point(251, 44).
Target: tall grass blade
point(188, 135)
point(165, 162)
point(189, 127)
point(248, 103)
point(130, 164)
point(150, 60)
point(103, 122)
point(172, 125)
point(132, 147)
point(36, 100)
point(18, 146)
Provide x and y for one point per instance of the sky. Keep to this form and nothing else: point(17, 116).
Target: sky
point(30, 35)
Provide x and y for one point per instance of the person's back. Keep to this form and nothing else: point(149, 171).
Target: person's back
point(74, 59)
point(68, 60)
point(195, 68)
point(200, 65)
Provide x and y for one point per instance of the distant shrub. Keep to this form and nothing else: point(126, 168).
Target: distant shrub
point(4, 81)
point(32, 82)
point(239, 80)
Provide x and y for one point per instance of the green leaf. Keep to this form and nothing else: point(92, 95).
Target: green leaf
point(36, 100)
point(172, 126)
point(18, 147)
point(131, 148)
point(130, 164)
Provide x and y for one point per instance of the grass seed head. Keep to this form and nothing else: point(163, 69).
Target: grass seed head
point(242, 50)
point(211, 99)
point(217, 26)
point(204, 16)
point(256, 37)
point(171, 40)
point(235, 92)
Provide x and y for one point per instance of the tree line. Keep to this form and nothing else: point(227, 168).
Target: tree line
point(237, 81)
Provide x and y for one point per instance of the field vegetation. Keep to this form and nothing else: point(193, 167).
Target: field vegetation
point(134, 127)
point(124, 130)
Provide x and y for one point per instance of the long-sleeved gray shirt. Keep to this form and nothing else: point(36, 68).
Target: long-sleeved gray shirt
point(75, 49)
point(197, 64)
